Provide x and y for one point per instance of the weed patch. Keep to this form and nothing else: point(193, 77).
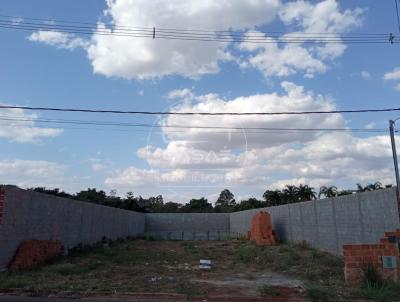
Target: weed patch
point(317, 293)
point(246, 253)
point(269, 290)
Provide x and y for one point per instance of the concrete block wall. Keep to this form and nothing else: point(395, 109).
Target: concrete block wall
point(326, 224)
point(31, 215)
point(330, 223)
point(188, 226)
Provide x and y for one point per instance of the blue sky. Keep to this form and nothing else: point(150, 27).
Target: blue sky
point(55, 70)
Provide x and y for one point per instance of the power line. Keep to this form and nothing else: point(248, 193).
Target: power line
point(193, 35)
point(160, 32)
point(371, 110)
point(19, 19)
point(264, 40)
point(144, 125)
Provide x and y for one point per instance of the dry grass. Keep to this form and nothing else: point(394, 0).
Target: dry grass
point(172, 266)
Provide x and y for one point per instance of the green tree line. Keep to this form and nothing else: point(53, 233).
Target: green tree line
point(224, 204)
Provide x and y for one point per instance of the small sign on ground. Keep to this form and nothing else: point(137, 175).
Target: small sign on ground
point(205, 264)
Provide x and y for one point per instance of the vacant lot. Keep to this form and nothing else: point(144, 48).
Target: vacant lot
point(239, 268)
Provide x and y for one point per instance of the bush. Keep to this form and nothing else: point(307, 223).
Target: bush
point(269, 290)
point(317, 293)
point(302, 245)
point(379, 293)
point(371, 277)
point(246, 253)
point(375, 287)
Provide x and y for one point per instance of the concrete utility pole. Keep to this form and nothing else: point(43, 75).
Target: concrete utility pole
point(396, 167)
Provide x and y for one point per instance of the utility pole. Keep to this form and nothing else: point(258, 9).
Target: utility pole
point(396, 167)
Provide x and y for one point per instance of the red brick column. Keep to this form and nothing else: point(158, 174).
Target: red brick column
point(261, 229)
point(2, 201)
point(356, 256)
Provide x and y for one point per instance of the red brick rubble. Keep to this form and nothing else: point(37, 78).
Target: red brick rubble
point(32, 253)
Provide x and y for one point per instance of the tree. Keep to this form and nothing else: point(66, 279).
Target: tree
point(200, 205)
point(55, 192)
point(130, 203)
point(370, 187)
point(156, 204)
point(375, 186)
point(289, 194)
point(171, 207)
point(328, 192)
point(273, 198)
point(226, 198)
point(112, 200)
point(91, 195)
point(360, 188)
point(251, 203)
point(305, 193)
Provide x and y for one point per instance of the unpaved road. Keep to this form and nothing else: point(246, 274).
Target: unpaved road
point(37, 299)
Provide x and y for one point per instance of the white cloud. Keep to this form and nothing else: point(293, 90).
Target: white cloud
point(145, 58)
point(58, 39)
point(331, 159)
point(319, 162)
point(30, 173)
point(294, 98)
point(248, 165)
point(133, 177)
point(370, 125)
point(352, 160)
point(97, 167)
point(179, 154)
point(393, 75)
point(134, 58)
point(365, 74)
point(16, 20)
point(272, 60)
point(18, 126)
point(314, 20)
point(183, 94)
point(323, 17)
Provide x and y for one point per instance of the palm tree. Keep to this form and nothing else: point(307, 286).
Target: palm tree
point(328, 192)
point(376, 186)
point(273, 198)
point(305, 192)
point(370, 187)
point(360, 188)
point(290, 193)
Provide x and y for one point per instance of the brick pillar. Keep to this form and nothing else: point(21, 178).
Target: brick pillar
point(261, 229)
point(356, 256)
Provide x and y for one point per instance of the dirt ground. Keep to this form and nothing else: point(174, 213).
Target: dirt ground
point(239, 268)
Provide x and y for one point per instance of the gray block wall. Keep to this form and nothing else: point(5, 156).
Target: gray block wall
point(188, 226)
point(326, 224)
point(329, 223)
point(32, 215)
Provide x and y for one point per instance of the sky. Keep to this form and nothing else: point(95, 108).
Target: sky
point(54, 69)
